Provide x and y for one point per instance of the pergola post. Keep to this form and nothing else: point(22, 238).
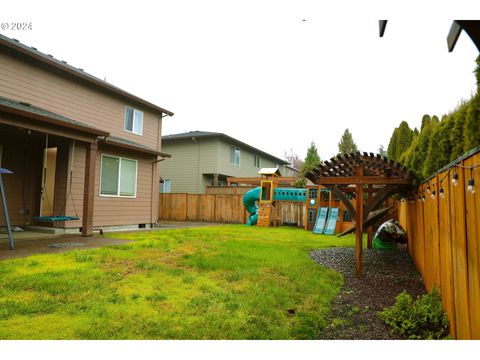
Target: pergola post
point(359, 223)
point(370, 228)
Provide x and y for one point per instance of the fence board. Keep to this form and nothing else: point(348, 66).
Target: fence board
point(444, 243)
point(472, 204)
point(224, 208)
point(446, 254)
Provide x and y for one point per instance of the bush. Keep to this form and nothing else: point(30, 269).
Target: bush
point(420, 319)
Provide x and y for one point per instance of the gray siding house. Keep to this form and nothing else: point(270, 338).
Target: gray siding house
point(201, 159)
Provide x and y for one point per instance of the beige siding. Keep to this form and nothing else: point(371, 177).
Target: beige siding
point(190, 160)
point(110, 211)
point(24, 82)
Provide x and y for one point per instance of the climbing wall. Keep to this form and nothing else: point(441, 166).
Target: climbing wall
point(264, 214)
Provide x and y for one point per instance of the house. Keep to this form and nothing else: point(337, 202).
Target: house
point(208, 159)
point(78, 146)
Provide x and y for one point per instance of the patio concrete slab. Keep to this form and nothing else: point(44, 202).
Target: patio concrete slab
point(27, 244)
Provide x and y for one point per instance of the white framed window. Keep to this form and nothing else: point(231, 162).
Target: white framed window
point(256, 161)
point(133, 121)
point(234, 155)
point(166, 186)
point(118, 176)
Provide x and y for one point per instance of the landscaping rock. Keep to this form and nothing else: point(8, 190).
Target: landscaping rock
point(385, 275)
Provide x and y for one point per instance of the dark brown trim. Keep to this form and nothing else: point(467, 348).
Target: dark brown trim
point(142, 149)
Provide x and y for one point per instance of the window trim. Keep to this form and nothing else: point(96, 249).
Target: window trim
point(119, 177)
point(239, 155)
point(133, 121)
point(256, 157)
point(163, 186)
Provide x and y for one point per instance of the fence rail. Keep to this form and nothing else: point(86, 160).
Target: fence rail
point(220, 208)
point(444, 243)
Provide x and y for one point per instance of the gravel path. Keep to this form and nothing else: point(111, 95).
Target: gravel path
point(354, 311)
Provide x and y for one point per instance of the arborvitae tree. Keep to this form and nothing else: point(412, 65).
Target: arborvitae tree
point(346, 144)
point(407, 157)
point(421, 152)
point(426, 119)
point(457, 135)
point(472, 124)
point(312, 160)
point(392, 146)
point(439, 147)
point(404, 139)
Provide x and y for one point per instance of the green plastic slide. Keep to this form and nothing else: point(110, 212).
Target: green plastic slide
point(249, 200)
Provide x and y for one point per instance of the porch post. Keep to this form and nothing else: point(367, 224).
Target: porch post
point(88, 194)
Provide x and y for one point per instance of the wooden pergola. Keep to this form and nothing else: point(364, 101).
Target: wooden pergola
point(372, 174)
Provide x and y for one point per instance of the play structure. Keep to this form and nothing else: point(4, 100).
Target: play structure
point(321, 216)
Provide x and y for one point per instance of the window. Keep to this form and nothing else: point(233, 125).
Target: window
point(166, 186)
point(235, 156)
point(347, 216)
point(256, 161)
point(325, 195)
point(118, 176)
point(133, 121)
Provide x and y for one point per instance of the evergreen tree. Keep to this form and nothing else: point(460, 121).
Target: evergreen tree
point(426, 119)
point(312, 160)
point(472, 123)
point(392, 145)
point(404, 140)
point(439, 147)
point(346, 144)
point(457, 135)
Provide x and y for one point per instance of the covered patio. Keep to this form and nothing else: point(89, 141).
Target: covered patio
point(38, 147)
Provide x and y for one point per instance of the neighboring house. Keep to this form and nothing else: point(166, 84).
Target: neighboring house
point(76, 144)
point(201, 159)
point(290, 171)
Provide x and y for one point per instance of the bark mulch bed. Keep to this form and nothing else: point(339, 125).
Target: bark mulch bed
point(354, 311)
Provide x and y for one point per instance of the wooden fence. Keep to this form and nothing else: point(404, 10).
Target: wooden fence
point(221, 208)
point(444, 243)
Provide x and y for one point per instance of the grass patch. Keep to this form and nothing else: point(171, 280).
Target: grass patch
point(224, 282)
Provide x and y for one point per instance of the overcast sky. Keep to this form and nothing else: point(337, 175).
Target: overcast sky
point(274, 74)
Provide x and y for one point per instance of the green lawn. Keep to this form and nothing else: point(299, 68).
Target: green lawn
point(225, 282)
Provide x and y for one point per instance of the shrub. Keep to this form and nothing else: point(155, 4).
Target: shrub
point(423, 318)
